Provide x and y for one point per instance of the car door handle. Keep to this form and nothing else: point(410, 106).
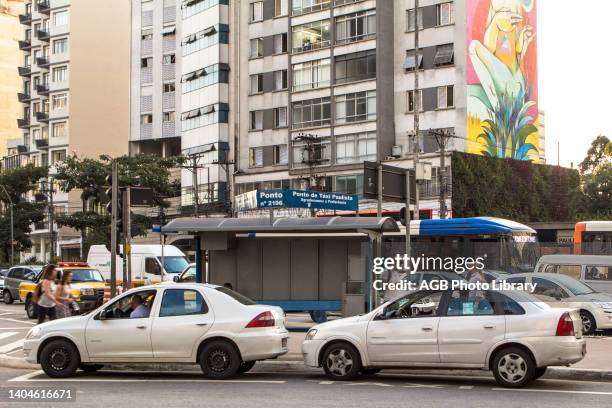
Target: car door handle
point(201, 324)
point(427, 328)
point(141, 327)
point(489, 326)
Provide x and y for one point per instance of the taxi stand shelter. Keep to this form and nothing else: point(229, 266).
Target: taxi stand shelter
point(300, 264)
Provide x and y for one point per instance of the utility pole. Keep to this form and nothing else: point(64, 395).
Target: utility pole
point(442, 138)
point(314, 152)
point(194, 182)
point(114, 215)
point(10, 200)
point(51, 220)
point(407, 213)
point(417, 103)
point(127, 249)
point(380, 190)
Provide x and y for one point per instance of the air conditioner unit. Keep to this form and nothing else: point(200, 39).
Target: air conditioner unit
point(397, 151)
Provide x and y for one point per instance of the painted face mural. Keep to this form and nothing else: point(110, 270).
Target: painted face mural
point(502, 79)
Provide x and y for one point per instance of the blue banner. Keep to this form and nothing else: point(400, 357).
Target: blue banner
point(324, 200)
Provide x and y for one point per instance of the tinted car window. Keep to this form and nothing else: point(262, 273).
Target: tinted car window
point(516, 280)
point(419, 304)
point(507, 306)
point(600, 273)
point(236, 296)
point(469, 303)
point(181, 302)
point(548, 288)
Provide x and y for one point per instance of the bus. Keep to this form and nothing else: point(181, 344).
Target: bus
point(593, 238)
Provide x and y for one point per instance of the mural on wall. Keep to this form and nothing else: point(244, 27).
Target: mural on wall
point(502, 79)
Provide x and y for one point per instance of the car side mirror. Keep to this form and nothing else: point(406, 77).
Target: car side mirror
point(177, 278)
point(105, 314)
point(382, 315)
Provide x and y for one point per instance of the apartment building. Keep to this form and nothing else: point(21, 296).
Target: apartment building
point(74, 96)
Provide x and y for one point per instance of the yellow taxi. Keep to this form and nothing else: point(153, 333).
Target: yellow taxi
point(87, 287)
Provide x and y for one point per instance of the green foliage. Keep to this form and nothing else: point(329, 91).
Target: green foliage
point(595, 155)
point(18, 182)
point(513, 189)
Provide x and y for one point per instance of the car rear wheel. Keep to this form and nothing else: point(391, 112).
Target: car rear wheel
point(246, 366)
point(31, 308)
point(341, 361)
point(513, 367)
point(219, 360)
point(539, 372)
point(588, 322)
point(7, 297)
point(90, 368)
point(59, 359)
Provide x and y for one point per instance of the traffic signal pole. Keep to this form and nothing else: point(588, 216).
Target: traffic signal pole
point(114, 208)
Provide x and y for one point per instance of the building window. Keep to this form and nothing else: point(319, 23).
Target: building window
point(256, 120)
point(59, 129)
point(411, 62)
point(146, 62)
point(168, 59)
point(44, 133)
point(311, 36)
point(280, 43)
point(444, 55)
point(410, 19)
point(58, 156)
point(307, 6)
point(355, 107)
point(191, 7)
point(146, 35)
point(256, 83)
point(445, 97)
point(356, 67)
point(280, 117)
point(60, 74)
point(60, 18)
point(311, 74)
point(280, 8)
point(145, 119)
point(280, 154)
point(256, 47)
point(27, 61)
point(205, 38)
point(256, 157)
point(318, 154)
point(311, 112)
point(168, 117)
point(446, 13)
point(256, 10)
point(60, 46)
point(280, 80)
point(207, 115)
point(350, 184)
point(355, 26)
point(356, 147)
point(59, 101)
point(171, 87)
point(410, 100)
point(218, 73)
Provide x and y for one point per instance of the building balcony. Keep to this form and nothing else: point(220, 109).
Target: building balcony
point(25, 19)
point(23, 97)
point(23, 123)
point(22, 148)
point(24, 71)
point(42, 116)
point(42, 89)
point(42, 35)
point(42, 62)
point(41, 143)
point(168, 129)
point(44, 7)
point(168, 72)
point(25, 45)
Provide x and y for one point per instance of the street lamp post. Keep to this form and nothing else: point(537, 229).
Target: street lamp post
point(12, 224)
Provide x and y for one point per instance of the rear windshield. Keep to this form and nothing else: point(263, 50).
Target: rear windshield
point(236, 296)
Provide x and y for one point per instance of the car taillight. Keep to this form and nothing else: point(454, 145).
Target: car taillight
point(565, 327)
point(264, 319)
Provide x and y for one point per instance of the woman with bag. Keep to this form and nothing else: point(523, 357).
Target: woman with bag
point(64, 296)
point(46, 299)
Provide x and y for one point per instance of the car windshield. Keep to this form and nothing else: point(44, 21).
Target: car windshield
point(574, 286)
point(236, 296)
point(86, 275)
point(174, 264)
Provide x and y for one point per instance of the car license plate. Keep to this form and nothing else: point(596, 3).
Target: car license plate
point(284, 343)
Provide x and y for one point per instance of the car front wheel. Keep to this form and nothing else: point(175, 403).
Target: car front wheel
point(513, 368)
point(59, 359)
point(588, 322)
point(8, 298)
point(219, 360)
point(341, 361)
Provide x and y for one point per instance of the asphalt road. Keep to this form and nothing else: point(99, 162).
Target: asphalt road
point(14, 325)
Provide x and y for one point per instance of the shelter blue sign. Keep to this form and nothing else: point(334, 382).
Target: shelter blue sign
point(324, 200)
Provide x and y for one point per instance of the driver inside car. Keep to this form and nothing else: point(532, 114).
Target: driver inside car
point(139, 309)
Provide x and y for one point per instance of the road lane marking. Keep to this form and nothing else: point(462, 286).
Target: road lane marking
point(11, 346)
point(466, 387)
point(424, 386)
point(16, 321)
point(14, 328)
point(378, 384)
point(557, 391)
point(7, 334)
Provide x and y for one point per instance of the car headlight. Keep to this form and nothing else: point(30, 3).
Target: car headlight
point(34, 333)
point(311, 333)
point(87, 292)
point(604, 305)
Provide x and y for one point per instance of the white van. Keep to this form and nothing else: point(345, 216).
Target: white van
point(146, 262)
point(594, 270)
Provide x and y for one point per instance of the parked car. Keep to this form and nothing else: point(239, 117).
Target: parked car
point(559, 290)
point(223, 331)
point(594, 270)
point(15, 276)
point(188, 275)
point(3, 273)
point(508, 332)
point(87, 287)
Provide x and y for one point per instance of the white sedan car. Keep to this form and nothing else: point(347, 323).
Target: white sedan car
point(510, 333)
point(213, 326)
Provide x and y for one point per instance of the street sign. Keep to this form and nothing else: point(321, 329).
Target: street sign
point(394, 182)
point(325, 200)
point(156, 228)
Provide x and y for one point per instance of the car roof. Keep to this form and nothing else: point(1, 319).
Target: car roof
point(175, 285)
point(577, 259)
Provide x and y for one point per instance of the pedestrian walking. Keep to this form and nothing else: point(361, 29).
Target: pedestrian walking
point(46, 298)
point(63, 294)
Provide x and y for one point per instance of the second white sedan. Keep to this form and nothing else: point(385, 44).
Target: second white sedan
point(510, 333)
point(223, 331)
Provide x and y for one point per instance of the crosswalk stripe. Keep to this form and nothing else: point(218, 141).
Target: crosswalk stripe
point(11, 346)
point(7, 334)
point(17, 321)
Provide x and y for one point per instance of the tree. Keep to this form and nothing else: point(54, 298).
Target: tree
point(597, 153)
point(18, 182)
